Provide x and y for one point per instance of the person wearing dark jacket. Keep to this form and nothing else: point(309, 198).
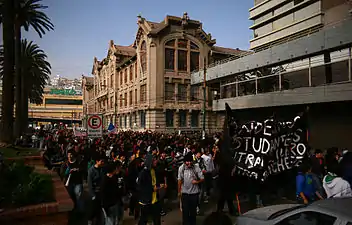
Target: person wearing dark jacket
point(318, 164)
point(133, 171)
point(95, 175)
point(161, 176)
point(111, 195)
point(74, 180)
point(148, 192)
point(346, 166)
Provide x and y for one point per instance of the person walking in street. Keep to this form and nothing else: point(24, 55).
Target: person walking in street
point(74, 180)
point(111, 195)
point(148, 188)
point(95, 175)
point(189, 178)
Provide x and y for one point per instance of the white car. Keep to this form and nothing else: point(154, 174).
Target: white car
point(333, 211)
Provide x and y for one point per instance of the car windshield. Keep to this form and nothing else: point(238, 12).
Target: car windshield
point(281, 212)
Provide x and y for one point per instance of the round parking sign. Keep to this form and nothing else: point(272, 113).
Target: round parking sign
point(94, 122)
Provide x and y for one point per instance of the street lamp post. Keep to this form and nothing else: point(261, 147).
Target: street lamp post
point(204, 96)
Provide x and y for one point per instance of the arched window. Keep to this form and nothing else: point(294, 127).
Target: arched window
point(187, 55)
point(143, 55)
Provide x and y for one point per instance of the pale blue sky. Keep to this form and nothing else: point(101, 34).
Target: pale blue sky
point(83, 28)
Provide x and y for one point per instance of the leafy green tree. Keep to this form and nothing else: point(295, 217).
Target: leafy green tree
point(35, 68)
point(26, 14)
point(7, 19)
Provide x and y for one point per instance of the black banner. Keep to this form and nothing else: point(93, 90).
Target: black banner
point(262, 148)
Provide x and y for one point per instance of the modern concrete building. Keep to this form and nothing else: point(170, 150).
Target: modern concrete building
point(311, 69)
point(147, 85)
point(59, 105)
point(278, 21)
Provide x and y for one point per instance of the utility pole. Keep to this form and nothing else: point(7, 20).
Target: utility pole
point(204, 96)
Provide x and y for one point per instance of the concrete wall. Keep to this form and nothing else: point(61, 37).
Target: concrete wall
point(332, 38)
point(304, 95)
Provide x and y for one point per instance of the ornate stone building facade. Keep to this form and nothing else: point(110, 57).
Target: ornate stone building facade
point(147, 85)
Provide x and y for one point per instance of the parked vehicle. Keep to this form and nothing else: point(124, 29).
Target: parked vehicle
point(332, 211)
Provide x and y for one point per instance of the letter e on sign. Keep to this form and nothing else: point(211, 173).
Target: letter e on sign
point(94, 122)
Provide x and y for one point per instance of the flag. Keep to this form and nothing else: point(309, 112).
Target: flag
point(226, 159)
point(112, 128)
point(79, 133)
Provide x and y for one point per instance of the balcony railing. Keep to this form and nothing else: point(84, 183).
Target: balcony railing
point(310, 72)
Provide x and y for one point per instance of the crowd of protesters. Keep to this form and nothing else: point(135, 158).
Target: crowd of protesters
point(134, 170)
point(138, 171)
point(326, 176)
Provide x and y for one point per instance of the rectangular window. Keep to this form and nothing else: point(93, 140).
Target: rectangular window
point(125, 121)
point(182, 118)
point(131, 72)
point(182, 92)
point(136, 96)
point(194, 61)
point(144, 62)
point(131, 98)
point(135, 70)
point(169, 117)
point(120, 121)
point(143, 97)
point(169, 59)
point(131, 121)
point(169, 91)
point(194, 93)
point(121, 80)
point(195, 119)
point(55, 101)
point(112, 81)
point(120, 101)
point(142, 118)
point(182, 60)
point(125, 99)
point(125, 74)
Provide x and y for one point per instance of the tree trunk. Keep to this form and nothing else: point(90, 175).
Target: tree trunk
point(6, 134)
point(18, 77)
point(24, 104)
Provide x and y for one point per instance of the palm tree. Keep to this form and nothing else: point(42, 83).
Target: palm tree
point(7, 20)
point(36, 68)
point(28, 14)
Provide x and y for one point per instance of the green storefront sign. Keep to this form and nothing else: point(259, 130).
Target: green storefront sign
point(62, 92)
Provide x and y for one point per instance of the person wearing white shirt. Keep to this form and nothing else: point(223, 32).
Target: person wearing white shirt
point(186, 150)
point(208, 175)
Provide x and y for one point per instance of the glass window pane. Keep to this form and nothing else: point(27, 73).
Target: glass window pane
point(195, 119)
point(169, 91)
point(194, 61)
point(182, 92)
point(169, 59)
point(194, 93)
point(182, 43)
point(182, 118)
point(313, 218)
point(182, 60)
point(194, 46)
point(54, 101)
point(169, 116)
point(170, 43)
